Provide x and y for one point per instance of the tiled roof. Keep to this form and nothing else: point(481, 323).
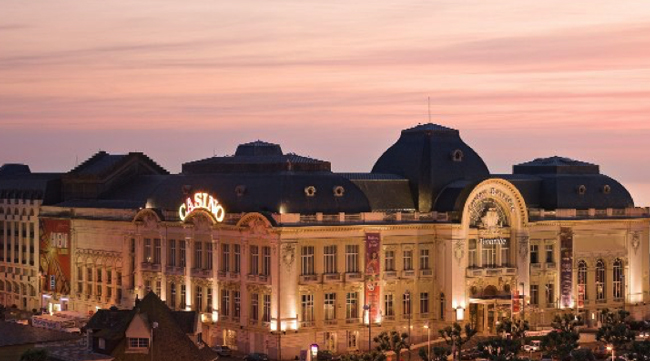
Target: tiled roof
point(16, 334)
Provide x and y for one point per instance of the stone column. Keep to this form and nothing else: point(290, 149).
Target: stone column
point(163, 268)
point(189, 257)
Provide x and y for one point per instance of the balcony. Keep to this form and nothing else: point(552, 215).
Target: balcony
point(550, 265)
point(222, 274)
point(234, 276)
point(203, 273)
point(389, 318)
point(332, 278)
point(535, 266)
point(308, 279)
point(408, 273)
point(251, 278)
point(263, 279)
point(305, 324)
point(353, 277)
point(331, 322)
point(390, 275)
point(474, 272)
point(350, 321)
point(252, 322)
point(491, 272)
point(174, 271)
point(426, 273)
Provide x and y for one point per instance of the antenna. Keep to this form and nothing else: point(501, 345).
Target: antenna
point(429, 100)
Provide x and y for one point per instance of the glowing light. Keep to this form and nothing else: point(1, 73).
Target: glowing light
point(202, 201)
point(460, 313)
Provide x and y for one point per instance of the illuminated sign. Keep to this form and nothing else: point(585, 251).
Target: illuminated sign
point(491, 241)
point(202, 201)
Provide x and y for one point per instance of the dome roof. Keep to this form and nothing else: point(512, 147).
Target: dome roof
point(431, 156)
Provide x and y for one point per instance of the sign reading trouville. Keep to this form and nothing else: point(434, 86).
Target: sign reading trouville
point(203, 201)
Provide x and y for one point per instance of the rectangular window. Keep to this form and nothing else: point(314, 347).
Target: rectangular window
point(254, 268)
point(330, 259)
point(308, 308)
point(118, 278)
point(351, 258)
point(330, 306)
point(99, 290)
point(99, 276)
point(424, 259)
point(549, 254)
point(472, 262)
point(172, 253)
point(156, 251)
point(225, 257)
point(351, 306)
point(406, 304)
point(389, 261)
point(208, 302)
point(236, 258)
point(255, 307)
point(389, 307)
point(198, 299)
point(266, 261)
point(89, 288)
point(307, 260)
point(352, 337)
point(237, 302)
point(80, 274)
point(90, 275)
point(198, 255)
point(109, 293)
point(534, 295)
point(182, 261)
point(534, 253)
point(109, 277)
point(208, 259)
point(550, 294)
point(183, 297)
point(158, 287)
point(225, 303)
point(489, 255)
point(266, 314)
point(408, 260)
point(148, 256)
point(424, 302)
point(172, 297)
point(138, 342)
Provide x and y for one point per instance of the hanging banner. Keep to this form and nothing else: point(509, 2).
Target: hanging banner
point(55, 255)
point(581, 296)
point(372, 270)
point(566, 266)
point(515, 302)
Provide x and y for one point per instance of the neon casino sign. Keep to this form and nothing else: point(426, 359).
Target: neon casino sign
point(202, 201)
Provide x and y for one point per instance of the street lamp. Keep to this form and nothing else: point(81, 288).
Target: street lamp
point(523, 300)
point(368, 308)
point(611, 348)
point(428, 341)
point(407, 296)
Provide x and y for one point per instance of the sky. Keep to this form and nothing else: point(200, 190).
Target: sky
point(335, 80)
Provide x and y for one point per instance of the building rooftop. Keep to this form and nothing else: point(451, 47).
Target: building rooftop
point(13, 334)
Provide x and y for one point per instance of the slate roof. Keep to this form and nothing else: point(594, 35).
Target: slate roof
point(12, 334)
point(102, 163)
point(17, 181)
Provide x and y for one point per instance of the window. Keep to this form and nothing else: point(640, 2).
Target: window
point(330, 306)
point(352, 337)
point(351, 258)
point(172, 253)
point(225, 303)
point(534, 295)
point(505, 255)
point(109, 293)
point(208, 260)
point(389, 261)
point(138, 342)
point(182, 253)
point(237, 301)
point(471, 254)
point(198, 302)
point(209, 299)
point(237, 258)
point(582, 280)
point(351, 306)
point(198, 255)
point(550, 294)
point(489, 255)
point(408, 260)
point(266, 314)
point(266, 261)
point(147, 250)
point(109, 277)
point(102, 343)
point(158, 287)
point(617, 281)
point(424, 259)
point(549, 254)
point(156, 251)
point(330, 259)
point(118, 278)
point(99, 290)
point(255, 260)
point(308, 308)
point(225, 257)
point(424, 302)
point(172, 297)
point(534, 257)
point(406, 303)
point(183, 297)
point(99, 276)
point(389, 307)
point(255, 307)
point(307, 260)
point(600, 280)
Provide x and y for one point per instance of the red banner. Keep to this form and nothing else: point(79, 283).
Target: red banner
point(581, 296)
point(55, 256)
point(372, 270)
point(515, 302)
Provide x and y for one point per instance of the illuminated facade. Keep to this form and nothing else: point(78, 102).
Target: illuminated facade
point(276, 252)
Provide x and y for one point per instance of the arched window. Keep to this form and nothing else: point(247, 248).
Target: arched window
point(617, 280)
point(582, 280)
point(600, 280)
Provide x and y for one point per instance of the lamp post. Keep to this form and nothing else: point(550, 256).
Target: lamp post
point(428, 341)
point(611, 348)
point(624, 287)
point(408, 305)
point(368, 308)
point(523, 300)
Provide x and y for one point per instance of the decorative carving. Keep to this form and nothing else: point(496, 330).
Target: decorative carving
point(257, 226)
point(288, 254)
point(150, 221)
point(636, 241)
point(523, 246)
point(459, 249)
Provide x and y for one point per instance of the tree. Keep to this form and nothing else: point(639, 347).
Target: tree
point(560, 342)
point(639, 351)
point(583, 354)
point(500, 349)
point(453, 336)
point(516, 329)
point(34, 354)
point(392, 341)
point(615, 331)
point(365, 356)
point(437, 353)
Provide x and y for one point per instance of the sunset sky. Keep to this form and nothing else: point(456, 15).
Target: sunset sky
point(335, 80)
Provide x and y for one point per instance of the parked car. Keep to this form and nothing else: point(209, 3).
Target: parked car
point(76, 330)
point(222, 350)
point(256, 356)
point(534, 346)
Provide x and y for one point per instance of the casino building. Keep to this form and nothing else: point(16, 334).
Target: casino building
point(277, 252)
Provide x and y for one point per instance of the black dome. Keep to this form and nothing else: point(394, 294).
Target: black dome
point(431, 156)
